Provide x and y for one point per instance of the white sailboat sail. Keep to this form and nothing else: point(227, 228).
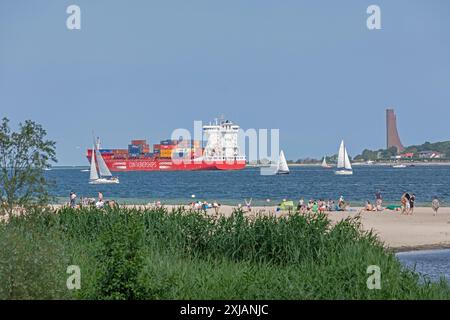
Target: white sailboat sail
point(347, 164)
point(93, 172)
point(343, 164)
point(324, 163)
point(282, 163)
point(104, 171)
point(341, 155)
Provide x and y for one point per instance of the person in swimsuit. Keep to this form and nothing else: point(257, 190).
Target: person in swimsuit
point(411, 203)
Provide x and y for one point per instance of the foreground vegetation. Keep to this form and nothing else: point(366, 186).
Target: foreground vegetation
point(153, 254)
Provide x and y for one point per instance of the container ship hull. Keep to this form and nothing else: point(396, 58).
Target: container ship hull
point(124, 165)
point(220, 153)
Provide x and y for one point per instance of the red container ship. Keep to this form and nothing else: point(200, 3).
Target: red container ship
point(221, 152)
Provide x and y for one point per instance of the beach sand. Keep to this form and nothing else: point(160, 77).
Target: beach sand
point(399, 232)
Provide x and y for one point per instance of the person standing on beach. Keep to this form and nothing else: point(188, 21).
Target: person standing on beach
point(405, 203)
point(73, 198)
point(412, 199)
point(378, 201)
point(435, 205)
point(248, 204)
point(216, 207)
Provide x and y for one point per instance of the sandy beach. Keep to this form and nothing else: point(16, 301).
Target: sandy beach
point(399, 232)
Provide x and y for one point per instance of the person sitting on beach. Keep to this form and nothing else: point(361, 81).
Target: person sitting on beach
point(216, 206)
point(435, 204)
point(322, 206)
point(204, 206)
point(341, 205)
point(112, 204)
point(369, 206)
point(300, 205)
point(315, 207)
point(309, 206)
point(99, 204)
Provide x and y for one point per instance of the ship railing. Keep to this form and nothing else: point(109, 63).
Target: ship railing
point(225, 158)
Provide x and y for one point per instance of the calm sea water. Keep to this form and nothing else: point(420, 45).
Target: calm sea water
point(231, 187)
point(432, 263)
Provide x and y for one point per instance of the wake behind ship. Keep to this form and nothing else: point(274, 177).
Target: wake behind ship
point(221, 152)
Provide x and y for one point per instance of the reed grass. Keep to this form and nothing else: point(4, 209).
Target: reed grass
point(155, 254)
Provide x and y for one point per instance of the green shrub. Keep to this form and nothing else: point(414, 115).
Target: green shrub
point(155, 254)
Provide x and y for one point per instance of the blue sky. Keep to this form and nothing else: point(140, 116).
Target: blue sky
point(139, 69)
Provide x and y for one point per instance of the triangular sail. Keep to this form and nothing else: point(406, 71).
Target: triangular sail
point(324, 162)
point(347, 164)
point(93, 174)
point(282, 163)
point(341, 156)
point(104, 171)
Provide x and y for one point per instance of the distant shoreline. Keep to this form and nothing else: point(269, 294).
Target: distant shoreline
point(376, 164)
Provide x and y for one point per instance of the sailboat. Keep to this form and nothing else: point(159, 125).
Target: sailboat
point(343, 164)
point(282, 167)
point(104, 171)
point(325, 164)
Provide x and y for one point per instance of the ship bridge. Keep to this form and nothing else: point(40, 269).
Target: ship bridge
point(222, 141)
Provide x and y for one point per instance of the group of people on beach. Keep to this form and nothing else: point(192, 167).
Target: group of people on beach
point(407, 200)
point(312, 206)
point(322, 205)
point(88, 202)
point(204, 206)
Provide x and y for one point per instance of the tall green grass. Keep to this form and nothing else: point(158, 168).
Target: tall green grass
point(155, 254)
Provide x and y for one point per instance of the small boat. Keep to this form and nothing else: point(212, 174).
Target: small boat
point(105, 176)
point(324, 164)
point(282, 167)
point(399, 166)
point(343, 164)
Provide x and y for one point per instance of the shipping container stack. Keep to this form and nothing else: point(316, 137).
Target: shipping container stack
point(166, 149)
point(138, 148)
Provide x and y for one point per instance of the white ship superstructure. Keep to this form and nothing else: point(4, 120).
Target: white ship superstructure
point(222, 141)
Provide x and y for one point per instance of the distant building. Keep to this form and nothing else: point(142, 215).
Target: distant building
point(408, 155)
point(392, 137)
point(430, 155)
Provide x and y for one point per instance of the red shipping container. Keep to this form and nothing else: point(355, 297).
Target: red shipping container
point(168, 146)
point(138, 142)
